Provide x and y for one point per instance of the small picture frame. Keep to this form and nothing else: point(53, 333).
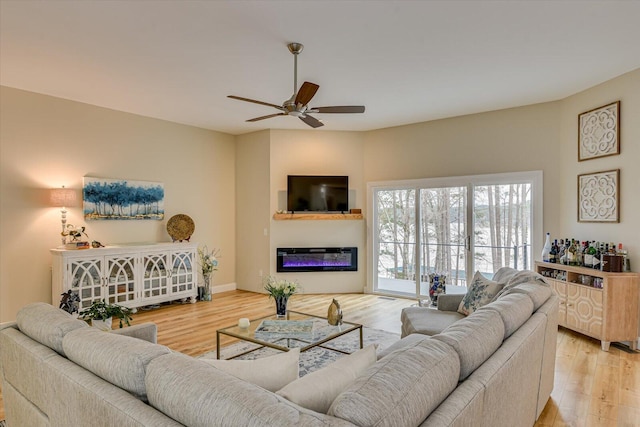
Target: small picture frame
point(599, 196)
point(599, 132)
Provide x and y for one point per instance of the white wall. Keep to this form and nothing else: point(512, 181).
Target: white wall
point(46, 142)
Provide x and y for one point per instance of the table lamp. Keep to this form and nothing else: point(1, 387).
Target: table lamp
point(63, 198)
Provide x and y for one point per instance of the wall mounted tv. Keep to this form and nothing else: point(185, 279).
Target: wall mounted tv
point(313, 193)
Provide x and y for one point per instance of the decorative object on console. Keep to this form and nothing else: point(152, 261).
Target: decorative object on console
point(599, 196)
point(334, 314)
point(63, 198)
point(208, 265)
point(121, 199)
point(70, 302)
point(180, 227)
point(436, 287)
point(280, 290)
point(75, 234)
point(599, 132)
point(100, 313)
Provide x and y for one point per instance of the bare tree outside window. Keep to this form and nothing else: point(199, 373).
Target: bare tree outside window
point(426, 230)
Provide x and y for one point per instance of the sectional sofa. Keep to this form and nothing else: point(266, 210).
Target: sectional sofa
point(491, 368)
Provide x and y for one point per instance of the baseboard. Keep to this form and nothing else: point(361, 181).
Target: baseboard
point(216, 289)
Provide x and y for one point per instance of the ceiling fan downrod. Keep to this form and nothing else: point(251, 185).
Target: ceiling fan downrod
point(295, 49)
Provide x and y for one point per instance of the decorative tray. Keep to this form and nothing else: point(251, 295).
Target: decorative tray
point(180, 227)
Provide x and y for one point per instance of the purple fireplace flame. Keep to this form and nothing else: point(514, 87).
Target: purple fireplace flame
point(317, 259)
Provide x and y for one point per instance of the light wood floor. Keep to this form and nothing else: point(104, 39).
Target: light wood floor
point(592, 387)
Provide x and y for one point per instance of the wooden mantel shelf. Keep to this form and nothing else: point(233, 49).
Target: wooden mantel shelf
point(315, 216)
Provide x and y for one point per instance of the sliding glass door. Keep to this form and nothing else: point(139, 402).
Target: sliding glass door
point(452, 227)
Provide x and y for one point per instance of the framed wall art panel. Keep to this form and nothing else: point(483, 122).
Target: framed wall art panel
point(599, 132)
point(122, 199)
point(599, 196)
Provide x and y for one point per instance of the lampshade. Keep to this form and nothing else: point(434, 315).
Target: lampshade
point(62, 197)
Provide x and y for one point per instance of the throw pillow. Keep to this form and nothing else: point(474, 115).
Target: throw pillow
point(271, 373)
point(317, 390)
point(481, 291)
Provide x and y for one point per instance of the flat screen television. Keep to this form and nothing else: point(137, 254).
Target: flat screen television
point(313, 193)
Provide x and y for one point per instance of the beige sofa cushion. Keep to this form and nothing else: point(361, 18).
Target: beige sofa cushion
point(195, 393)
point(271, 373)
point(514, 309)
point(474, 338)
point(318, 389)
point(539, 293)
point(402, 388)
point(119, 359)
point(46, 324)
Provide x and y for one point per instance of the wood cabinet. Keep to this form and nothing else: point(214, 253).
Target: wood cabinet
point(132, 276)
point(599, 304)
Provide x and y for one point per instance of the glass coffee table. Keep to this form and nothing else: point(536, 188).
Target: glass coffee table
point(297, 329)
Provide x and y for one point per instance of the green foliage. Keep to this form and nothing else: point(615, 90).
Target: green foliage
point(100, 310)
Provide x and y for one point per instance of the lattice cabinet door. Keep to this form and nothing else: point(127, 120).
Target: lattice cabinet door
point(120, 279)
point(155, 280)
point(85, 276)
point(561, 290)
point(183, 273)
point(584, 309)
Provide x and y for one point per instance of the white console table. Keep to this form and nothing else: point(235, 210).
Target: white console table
point(129, 275)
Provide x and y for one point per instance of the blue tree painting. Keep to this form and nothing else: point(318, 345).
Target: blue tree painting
point(120, 199)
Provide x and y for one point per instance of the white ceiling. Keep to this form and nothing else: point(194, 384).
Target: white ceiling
point(406, 61)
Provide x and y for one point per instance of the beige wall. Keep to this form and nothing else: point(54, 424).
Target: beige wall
point(319, 153)
point(253, 209)
point(46, 142)
point(513, 140)
point(626, 89)
point(219, 179)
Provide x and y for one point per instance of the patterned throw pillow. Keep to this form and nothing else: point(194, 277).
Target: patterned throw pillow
point(481, 291)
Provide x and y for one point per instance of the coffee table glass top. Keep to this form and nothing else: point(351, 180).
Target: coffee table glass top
point(304, 330)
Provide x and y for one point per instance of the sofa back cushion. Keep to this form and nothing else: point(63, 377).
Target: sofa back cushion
point(402, 388)
point(47, 325)
point(195, 393)
point(538, 292)
point(474, 338)
point(514, 309)
point(119, 359)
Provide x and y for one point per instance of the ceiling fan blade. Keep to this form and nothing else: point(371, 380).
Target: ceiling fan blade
point(311, 121)
point(306, 92)
point(266, 117)
point(239, 98)
point(339, 109)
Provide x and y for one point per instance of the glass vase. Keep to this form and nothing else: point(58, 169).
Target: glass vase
point(206, 295)
point(281, 305)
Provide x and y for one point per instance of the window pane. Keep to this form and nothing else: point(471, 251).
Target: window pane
point(502, 220)
point(443, 231)
point(396, 240)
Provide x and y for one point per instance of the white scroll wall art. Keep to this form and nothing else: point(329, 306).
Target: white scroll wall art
point(599, 132)
point(599, 197)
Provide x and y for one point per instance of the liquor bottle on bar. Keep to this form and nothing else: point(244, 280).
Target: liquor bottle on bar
point(572, 254)
point(546, 249)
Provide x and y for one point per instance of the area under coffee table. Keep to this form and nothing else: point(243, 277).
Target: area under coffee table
point(321, 333)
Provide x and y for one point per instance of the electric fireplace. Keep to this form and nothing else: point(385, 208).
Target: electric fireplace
point(317, 259)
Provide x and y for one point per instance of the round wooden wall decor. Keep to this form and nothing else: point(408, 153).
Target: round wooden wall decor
point(180, 227)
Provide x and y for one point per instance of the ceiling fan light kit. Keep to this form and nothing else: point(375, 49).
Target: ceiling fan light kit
point(298, 104)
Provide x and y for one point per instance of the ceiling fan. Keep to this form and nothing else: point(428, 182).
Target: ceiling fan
point(297, 105)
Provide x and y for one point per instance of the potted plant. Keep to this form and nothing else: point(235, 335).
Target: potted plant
point(280, 290)
point(101, 314)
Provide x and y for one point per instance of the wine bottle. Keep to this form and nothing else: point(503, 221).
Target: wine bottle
point(572, 253)
point(546, 249)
